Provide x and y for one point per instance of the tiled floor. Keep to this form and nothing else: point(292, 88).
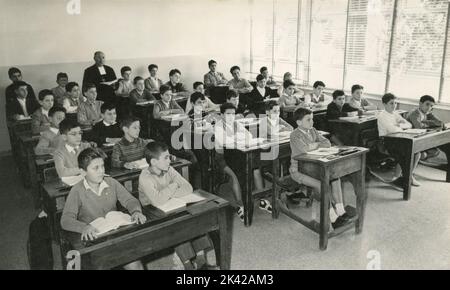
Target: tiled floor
point(399, 234)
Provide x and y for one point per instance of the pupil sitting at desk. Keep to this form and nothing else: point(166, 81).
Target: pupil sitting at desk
point(304, 139)
point(289, 99)
point(213, 78)
point(131, 147)
point(423, 118)
point(390, 122)
point(153, 83)
point(94, 197)
point(259, 95)
point(357, 100)
point(40, 121)
point(241, 85)
point(140, 93)
point(227, 133)
point(336, 109)
point(233, 98)
point(288, 77)
point(125, 84)
point(73, 98)
point(23, 104)
point(51, 139)
point(272, 125)
point(158, 184)
point(15, 75)
point(198, 110)
point(317, 96)
point(178, 89)
point(264, 71)
point(89, 110)
point(108, 130)
point(209, 105)
point(166, 106)
point(59, 92)
point(66, 162)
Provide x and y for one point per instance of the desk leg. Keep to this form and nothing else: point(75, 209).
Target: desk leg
point(223, 237)
point(406, 163)
point(185, 172)
point(211, 174)
point(446, 149)
point(33, 177)
point(325, 192)
point(359, 184)
point(247, 190)
point(275, 189)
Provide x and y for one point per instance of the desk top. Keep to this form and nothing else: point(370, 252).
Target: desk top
point(419, 136)
point(154, 219)
point(355, 151)
point(315, 109)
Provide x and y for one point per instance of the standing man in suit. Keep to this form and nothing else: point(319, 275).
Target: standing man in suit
point(102, 76)
point(22, 105)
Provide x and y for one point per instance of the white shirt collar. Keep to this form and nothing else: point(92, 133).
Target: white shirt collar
point(102, 187)
point(107, 125)
point(262, 91)
point(54, 130)
point(45, 112)
point(102, 70)
point(71, 149)
point(422, 115)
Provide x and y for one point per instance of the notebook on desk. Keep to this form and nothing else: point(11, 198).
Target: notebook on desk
point(179, 203)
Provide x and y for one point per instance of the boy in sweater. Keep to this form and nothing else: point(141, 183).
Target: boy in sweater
point(107, 131)
point(51, 139)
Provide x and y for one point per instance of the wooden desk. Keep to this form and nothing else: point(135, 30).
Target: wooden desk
point(54, 193)
point(403, 146)
point(352, 165)
point(218, 94)
point(349, 132)
point(213, 216)
point(319, 116)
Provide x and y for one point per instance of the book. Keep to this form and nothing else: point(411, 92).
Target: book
point(324, 151)
point(179, 203)
point(141, 163)
point(415, 131)
point(113, 220)
point(72, 180)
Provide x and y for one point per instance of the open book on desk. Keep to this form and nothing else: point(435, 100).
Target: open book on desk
point(324, 151)
point(179, 203)
point(113, 220)
point(415, 131)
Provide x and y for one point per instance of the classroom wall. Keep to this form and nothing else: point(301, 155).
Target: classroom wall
point(42, 39)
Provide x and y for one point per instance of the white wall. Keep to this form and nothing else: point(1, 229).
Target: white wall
point(42, 39)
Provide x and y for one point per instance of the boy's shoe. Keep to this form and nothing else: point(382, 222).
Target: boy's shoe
point(340, 221)
point(264, 204)
point(414, 182)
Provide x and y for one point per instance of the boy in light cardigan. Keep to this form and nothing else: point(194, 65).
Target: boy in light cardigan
point(51, 139)
point(40, 121)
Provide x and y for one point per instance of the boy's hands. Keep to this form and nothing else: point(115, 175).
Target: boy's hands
point(138, 218)
point(130, 165)
point(89, 233)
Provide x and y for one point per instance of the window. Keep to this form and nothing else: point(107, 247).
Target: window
point(368, 38)
point(328, 26)
point(418, 48)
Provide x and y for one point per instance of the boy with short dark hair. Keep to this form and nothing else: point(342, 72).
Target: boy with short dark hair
point(22, 104)
point(304, 139)
point(241, 85)
point(209, 105)
point(259, 95)
point(317, 96)
point(264, 71)
point(73, 98)
point(15, 75)
point(357, 100)
point(153, 83)
point(94, 197)
point(125, 84)
point(51, 139)
point(339, 108)
point(66, 155)
point(89, 111)
point(131, 147)
point(107, 131)
point(59, 92)
point(40, 121)
point(140, 93)
point(288, 98)
point(166, 106)
point(178, 89)
point(213, 78)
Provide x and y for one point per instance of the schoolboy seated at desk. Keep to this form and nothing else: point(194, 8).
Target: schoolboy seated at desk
point(241, 85)
point(357, 100)
point(304, 139)
point(107, 131)
point(390, 122)
point(259, 95)
point(199, 108)
point(51, 139)
point(153, 83)
point(65, 156)
point(15, 75)
point(166, 106)
point(73, 98)
point(227, 134)
point(94, 197)
point(140, 93)
point(288, 98)
point(423, 118)
point(158, 184)
point(209, 105)
point(288, 77)
point(125, 84)
point(59, 92)
point(40, 121)
point(272, 125)
point(89, 111)
point(232, 97)
point(178, 89)
point(213, 78)
point(317, 97)
point(264, 71)
point(22, 104)
point(131, 147)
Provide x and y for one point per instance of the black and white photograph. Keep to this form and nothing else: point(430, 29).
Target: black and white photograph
point(214, 135)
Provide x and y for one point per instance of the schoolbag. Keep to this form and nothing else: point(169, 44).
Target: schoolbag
point(39, 245)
